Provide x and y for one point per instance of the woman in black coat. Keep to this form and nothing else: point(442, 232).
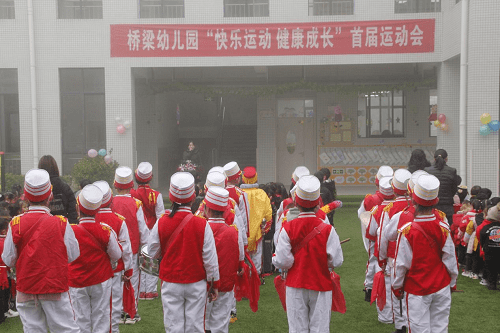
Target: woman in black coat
point(418, 161)
point(191, 154)
point(64, 202)
point(449, 181)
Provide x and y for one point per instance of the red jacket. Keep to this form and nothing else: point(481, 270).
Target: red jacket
point(372, 200)
point(42, 265)
point(4, 279)
point(148, 197)
point(400, 204)
point(128, 207)
point(115, 221)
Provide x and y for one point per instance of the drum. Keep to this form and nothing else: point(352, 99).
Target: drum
point(365, 221)
point(147, 264)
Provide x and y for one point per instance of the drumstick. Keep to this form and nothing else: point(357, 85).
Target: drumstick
point(345, 240)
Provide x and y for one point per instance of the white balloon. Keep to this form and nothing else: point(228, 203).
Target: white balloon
point(127, 124)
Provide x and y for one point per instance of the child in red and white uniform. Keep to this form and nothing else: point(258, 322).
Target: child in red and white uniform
point(131, 209)
point(426, 264)
point(42, 268)
point(123, 270)
point(370, 201)
point(90, 276)
point(308, 283)
point(152, 204)
point(387, 193)
point(189, 259)
point(4, 270)
point(233, 174)
point(386, 250)
point(230, 253)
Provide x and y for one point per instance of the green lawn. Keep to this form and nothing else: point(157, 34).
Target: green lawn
point(475, 310)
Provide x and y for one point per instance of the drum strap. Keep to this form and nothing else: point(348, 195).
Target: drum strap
point(177, 230)
point(316, 231)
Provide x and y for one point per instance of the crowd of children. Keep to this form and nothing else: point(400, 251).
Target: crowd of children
point(476, 235)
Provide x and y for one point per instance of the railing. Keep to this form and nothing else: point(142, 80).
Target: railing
point(251, 9)
point(417, 6)
point(332, 7)
point(157, 9)
point(7, 9)
point(80, 9)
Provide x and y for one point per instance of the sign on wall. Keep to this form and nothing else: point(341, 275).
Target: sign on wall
point(276, 39)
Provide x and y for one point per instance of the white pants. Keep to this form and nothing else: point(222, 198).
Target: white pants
point(217, 313)
point(256, 257)
point(149, 283)
point(135, 277)
point(371, 266)
point(385, 315)
point(429, 313)
point(58, 316)
point(308, 310)
point(92, 308)
point(398, 306)
point(184, 306)
point(116, 301)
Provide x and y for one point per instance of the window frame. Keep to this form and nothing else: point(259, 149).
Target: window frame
point(330, 3)
point(62, 8)
point(7, 10)
point(391, 107)
point(162, 4)
point(418, 4)
point(247, 4)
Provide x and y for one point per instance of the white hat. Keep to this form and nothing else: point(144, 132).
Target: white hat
point(123, 178)
point(384, 171)
point(232, 171)
point(299, 172)
point(216, 198)
point(107, 195)
point(181, 187)
point(426, 190)
point(215, 179)
point(414, 177)
point(307, 193)
point(217, 169)
point(144, 172)
point(385, 187)
point(400, 181)
point(37, 185)
point(90, 199)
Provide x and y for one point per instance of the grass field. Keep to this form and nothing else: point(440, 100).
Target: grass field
point(474, 310)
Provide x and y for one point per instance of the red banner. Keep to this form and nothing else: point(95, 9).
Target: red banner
point(277, 39)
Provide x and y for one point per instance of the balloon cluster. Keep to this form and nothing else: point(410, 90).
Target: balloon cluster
point(102, 152)
point(122, 126)
point(440, 123)
point(488, 124)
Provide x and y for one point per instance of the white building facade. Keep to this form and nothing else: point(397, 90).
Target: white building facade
point(343, 84)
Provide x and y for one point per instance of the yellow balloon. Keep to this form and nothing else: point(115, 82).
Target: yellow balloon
point(437, 123)
point(485, 118)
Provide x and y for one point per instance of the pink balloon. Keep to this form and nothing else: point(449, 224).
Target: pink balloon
point(92, 153)
point(108, 159)
point(442, 118)
point(120, 129)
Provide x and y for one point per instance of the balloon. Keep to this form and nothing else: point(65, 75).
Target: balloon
point(102, 152)
point(127, 123)
point(484, 130)
point(92, 153)
point(108, 159)
point(494, 125)
point(444, 127)
point(442, 118)
point(120, 129)
point(485, 118)
point(437, 123)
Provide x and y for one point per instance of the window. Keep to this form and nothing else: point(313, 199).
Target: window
point(331, 7)
point(433, 109)
point(381, 114)
point(83, 113)
point(80, 9)
point(295, 108)
point(7, 9)
point(10, 139)
point(161, 8)
point(417, 6)
point(246, 8)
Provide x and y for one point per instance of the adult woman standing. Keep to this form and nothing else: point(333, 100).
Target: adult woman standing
point(64, 202)
point(449, 181)
point(418, 161)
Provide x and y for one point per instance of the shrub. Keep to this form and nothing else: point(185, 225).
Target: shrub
point(94, 169)
point(11, 180)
